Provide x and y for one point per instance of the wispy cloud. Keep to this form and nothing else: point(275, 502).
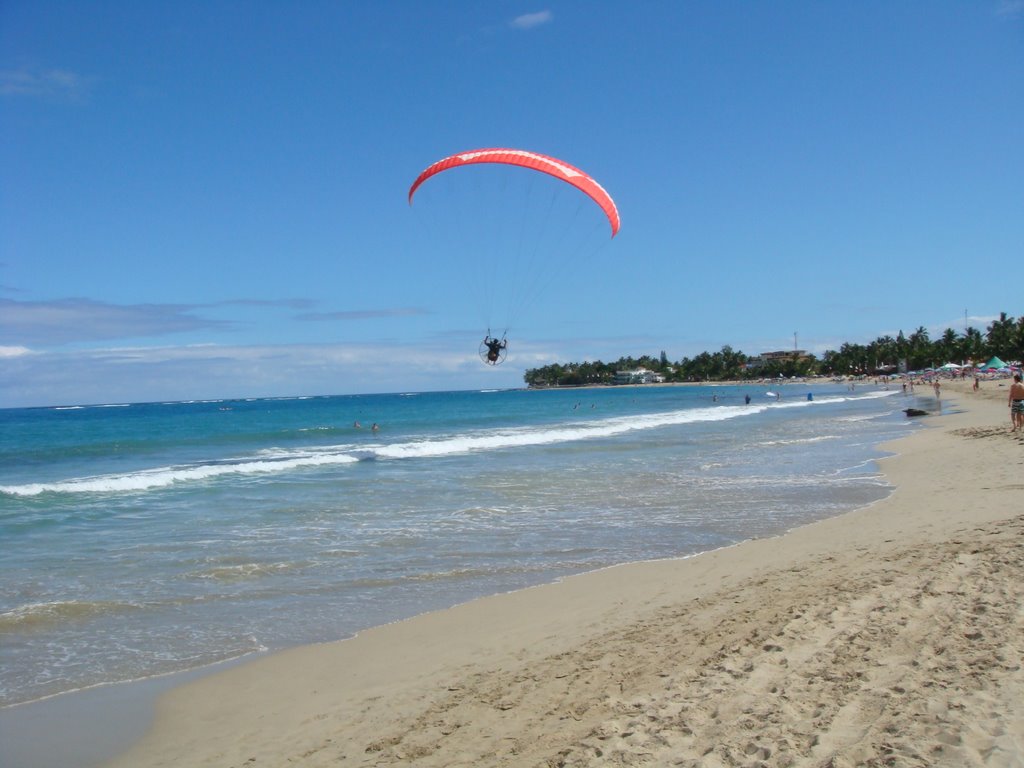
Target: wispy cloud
point(531, 20)
point(49, 83)
point(1010, 8)
point(364, 314)
point(14, 352)
point(77, 320)
point(287, 303)
point(142, 374)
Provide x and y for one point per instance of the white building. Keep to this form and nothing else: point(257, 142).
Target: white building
point(639, 376)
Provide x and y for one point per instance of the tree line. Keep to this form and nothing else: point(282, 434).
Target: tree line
point(1004, 338)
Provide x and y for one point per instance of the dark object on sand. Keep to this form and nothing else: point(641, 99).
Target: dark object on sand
point(915, 412)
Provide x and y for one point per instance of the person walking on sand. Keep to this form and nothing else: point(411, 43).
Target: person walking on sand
point(1017, 404)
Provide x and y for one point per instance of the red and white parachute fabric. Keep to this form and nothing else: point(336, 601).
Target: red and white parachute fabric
point(549, 165)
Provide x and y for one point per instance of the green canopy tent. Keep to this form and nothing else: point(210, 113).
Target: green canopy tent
point(995, 362)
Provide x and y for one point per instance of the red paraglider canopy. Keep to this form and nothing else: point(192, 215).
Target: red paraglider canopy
point(543, 163)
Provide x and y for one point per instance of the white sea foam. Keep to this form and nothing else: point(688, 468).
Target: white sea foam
point(801, 440)
point(282, 460)
point(271, 461)
point(531, 436)
point(150, 479)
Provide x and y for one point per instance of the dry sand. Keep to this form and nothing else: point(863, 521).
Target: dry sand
point(890, 636)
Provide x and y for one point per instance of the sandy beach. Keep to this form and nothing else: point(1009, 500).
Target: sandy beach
point(892, 635)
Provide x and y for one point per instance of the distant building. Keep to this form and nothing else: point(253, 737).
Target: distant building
point(639, 376)
point(782, 356)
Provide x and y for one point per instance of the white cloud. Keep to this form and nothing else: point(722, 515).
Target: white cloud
point(531, 20)
point(14, 351)
point(54, 83)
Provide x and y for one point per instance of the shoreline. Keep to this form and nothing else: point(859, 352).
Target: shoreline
point(889, 633)
point(510, 679)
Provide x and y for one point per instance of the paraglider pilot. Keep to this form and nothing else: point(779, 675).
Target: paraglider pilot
point(494, 348)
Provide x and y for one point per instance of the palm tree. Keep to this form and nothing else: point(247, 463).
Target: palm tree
point(948, 346)
point(921, 352)
point(1001, 337)
point(902, 350)
point(1017, 341)
point(973, 346)
point(883, 352)
point(733, 362)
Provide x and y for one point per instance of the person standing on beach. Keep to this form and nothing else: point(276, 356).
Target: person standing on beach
point(1017, 404)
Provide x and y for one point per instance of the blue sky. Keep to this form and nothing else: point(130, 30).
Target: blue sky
point(207, 199)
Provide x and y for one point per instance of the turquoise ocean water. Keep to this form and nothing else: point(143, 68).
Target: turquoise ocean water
point(141, 539)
